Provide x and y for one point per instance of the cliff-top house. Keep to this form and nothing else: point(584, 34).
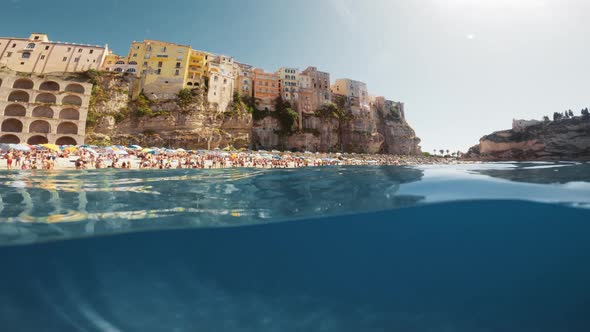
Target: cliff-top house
point(37, 54)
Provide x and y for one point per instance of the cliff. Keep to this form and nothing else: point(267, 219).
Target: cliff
point(189, 121)
point(565, 139)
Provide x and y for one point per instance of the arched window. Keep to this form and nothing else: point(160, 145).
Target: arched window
point(120, 62)
point(119, 70)
point(72, 100)
point(15, 110)
point(49, 86)
point(131, 70)
point(43, 112)
point(26, 55)
point(0, 82)
point(39, 126)
point(19, 96)
point(10, 139)
point(12, 126)
point(66, 140)
point(67, 128)
point(69, 114)
point(36, 140)
point(75, 87)
point(23, 83)
point(46, 98)
point(133, 62)
point(30, 46)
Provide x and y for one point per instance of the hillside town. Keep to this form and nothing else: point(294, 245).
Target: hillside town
point(38, 106)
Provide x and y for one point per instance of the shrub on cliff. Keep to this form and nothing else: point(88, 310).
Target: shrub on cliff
point(184, 98)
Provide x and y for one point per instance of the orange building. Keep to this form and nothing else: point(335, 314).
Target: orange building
point(266, 88)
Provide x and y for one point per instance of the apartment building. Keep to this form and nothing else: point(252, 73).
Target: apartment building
point(37, 54)
point(266, 88)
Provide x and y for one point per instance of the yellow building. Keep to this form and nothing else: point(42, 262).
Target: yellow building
point(37, 54)
point(356, 91)
point(197, 68)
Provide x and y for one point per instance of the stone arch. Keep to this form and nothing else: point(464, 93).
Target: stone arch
point(72, 100)
point(40, 126)
point(67, 128)
point(9, 139)
point(43, 112)
point(15, 110)
point(66, 140)
point(20, 96)
point(12, 126)
point(37, 139)
point(69, 114)
point(46, 98)
point(75, 88)
point(49, 86)
point(23, 83)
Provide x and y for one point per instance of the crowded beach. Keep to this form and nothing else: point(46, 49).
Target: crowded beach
point(51, 156)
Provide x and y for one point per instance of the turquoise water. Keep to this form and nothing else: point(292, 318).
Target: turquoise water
point(490, 247)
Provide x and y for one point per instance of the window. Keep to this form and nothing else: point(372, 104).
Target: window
point(160, 64)
point(46, 48)
point(69, 49)
point(31, 45)
point(91, 51)
point(79, 50)
point(36, 38)
point(76, 59)
point(65, 59)
point(145, 63)
point(149, 48)
point(119, 70)
point(177, 72)
point(131, 70)
point(158, 72)
point(135, 55)
point(13, 45)
point(43, 57)
point(163, 49)
point(8, 54)
point(179, 58)
point(147, 56)
point(178, 65)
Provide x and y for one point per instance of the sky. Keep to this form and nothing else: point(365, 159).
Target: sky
point(463, 68)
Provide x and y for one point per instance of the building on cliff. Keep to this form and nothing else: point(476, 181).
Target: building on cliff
point(266, 88)
point(244, 79)
point(42, 109)
point(198, 68)
point(116, 63)
point(356, 91)
point(162, 66)
point(319, 86)
point(288, 83)
point(221, 82)
point(37, 54)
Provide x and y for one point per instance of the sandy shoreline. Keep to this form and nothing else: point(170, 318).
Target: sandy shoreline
point(358, 160)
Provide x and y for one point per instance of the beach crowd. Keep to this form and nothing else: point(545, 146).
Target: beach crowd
point(154, 158)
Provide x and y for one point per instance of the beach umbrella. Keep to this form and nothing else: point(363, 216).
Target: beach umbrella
point(181, 150)
point(92, 151)
point(71, 149)
point(120, 152)
point(135, 147)
point(51, 147)
point(147, 150)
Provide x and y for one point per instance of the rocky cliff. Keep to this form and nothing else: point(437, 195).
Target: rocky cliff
point(188, 121)
point(565, 139)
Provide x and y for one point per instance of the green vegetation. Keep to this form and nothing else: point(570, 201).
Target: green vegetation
point(184, 98)
point(142, 106)
point(286, 116)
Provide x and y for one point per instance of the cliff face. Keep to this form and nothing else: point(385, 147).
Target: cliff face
point(383, 129)
point(566, 139)
point(193, 124)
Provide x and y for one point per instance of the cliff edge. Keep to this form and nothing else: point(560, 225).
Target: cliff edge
point(564, 139)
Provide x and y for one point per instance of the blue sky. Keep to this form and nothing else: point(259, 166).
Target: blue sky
point(464, 68)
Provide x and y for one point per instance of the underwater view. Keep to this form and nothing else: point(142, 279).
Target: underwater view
point(472, 247)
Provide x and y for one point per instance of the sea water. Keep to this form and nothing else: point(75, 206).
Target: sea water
point(483, 247)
